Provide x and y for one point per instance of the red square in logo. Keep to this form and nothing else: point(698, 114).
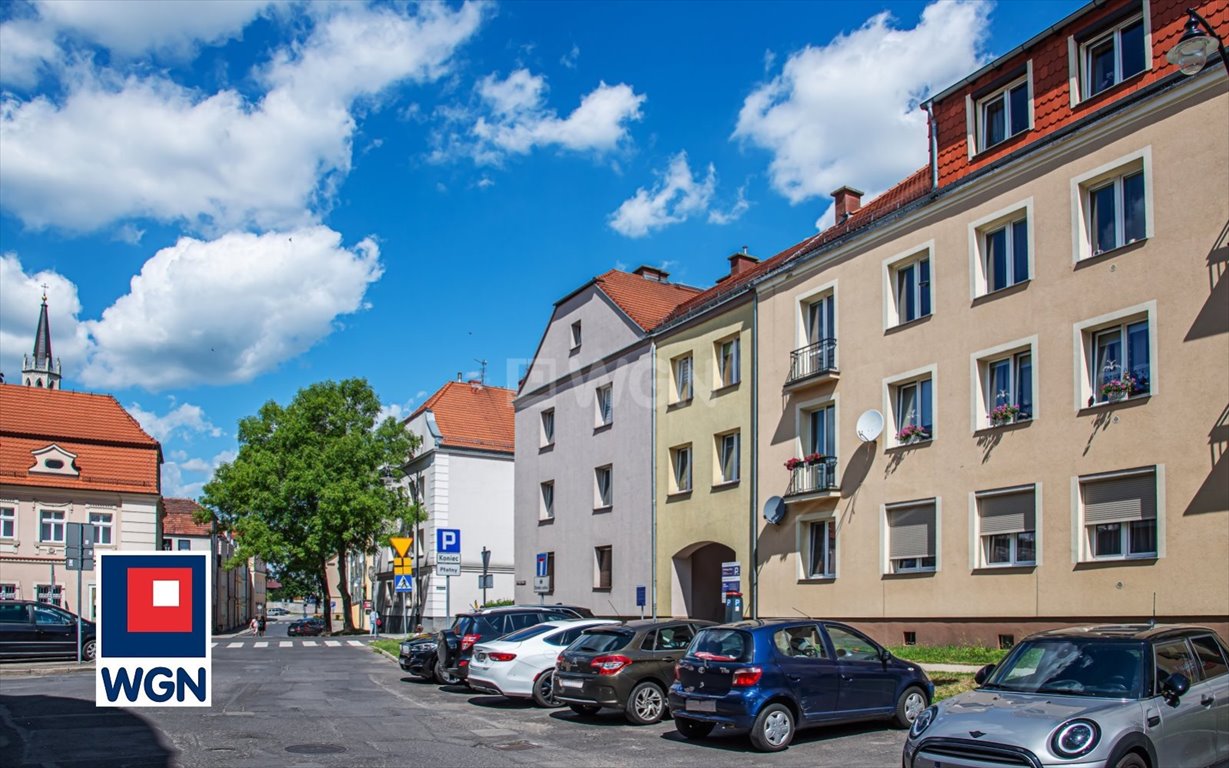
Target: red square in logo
point(160, 600)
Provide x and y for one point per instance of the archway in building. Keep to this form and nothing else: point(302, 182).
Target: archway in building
point(696, 591)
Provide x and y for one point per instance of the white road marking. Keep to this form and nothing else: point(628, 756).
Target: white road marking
point(354, 642)
point(262, 645)
point(332, 643)
point(309, 642)
point(285, 644)
point(235, 645)
point(213, 645)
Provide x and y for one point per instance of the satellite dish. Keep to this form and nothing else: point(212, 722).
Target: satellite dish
point(774, 510)
point(870, 425)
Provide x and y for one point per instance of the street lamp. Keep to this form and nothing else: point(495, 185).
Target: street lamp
point(1191, 52)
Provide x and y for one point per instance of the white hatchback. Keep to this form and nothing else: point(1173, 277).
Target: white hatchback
point(522, 664)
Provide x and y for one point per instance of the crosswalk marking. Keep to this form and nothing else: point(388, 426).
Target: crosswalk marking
point(332, 643)
point(235, 645)
point(285, 644)
point(354, 642)
point(213, 645)
point(328, 643)
point(262, 645)
point(309, 642)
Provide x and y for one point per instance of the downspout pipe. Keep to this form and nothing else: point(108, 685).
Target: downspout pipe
point(653, 474)
point(934, 144)
point(754, 570)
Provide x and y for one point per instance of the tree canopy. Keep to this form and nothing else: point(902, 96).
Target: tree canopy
point(314, 480)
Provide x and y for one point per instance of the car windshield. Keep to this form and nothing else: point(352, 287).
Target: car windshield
point(600, 641)
point(1100, 668)
point(720, 645)
point(527, 632)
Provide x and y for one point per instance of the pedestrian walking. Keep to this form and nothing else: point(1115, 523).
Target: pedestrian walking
point(254, 626)
point(375, 622)
point(260, 625)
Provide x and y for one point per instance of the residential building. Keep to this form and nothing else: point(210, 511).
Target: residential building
point(1039, 319)
point(461, 477)
point(584, 434)
point(237, 590)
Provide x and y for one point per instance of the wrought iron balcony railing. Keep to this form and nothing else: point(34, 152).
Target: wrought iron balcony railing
point(812, 360)
point(813, 478)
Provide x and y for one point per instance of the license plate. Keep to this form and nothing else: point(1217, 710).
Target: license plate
point(700, 705)
point(565, 683)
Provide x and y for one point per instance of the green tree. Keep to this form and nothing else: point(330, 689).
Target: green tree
point(312, 482)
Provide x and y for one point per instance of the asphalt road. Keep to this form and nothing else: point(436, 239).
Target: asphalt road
point(288, 703)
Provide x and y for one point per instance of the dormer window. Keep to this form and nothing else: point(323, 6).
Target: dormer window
point(1003, 114)
point(54, 460)
point(1113, 56)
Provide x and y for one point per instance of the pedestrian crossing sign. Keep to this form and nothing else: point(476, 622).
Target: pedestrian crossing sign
point(403, 584)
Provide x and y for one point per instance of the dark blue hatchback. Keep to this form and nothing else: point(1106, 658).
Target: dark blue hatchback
point(772, 677)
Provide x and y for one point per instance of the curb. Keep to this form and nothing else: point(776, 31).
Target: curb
point(386, 655)
point(59, 669)
point(957, 668)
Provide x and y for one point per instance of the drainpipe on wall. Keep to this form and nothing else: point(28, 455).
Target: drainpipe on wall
point(653, 474)
point(934, 145)
point(755, 442)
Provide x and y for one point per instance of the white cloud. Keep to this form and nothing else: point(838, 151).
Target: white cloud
point(27, 50)
point(117, 147)
point(570, 58)
point(184, 420)
point(134, 27)
point(735, 211)
point(847, 112)
point(173, 482)
point(129, 233)
point(676, 196)
point(227, 310)
point(20, 299)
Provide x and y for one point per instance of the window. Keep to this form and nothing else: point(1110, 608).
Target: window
point(605, 405)
point(1007, 523)
point(821, 549)
point(52, 594)
point(1003, 114)
point(819, 432)
point(183, 544)
point(576, 335)
point(167, 545)
point(1005, 255)
point(1120, 362)
point(683, 378)
point(547, 512)
point(669, 639)
point(849, 646)
point(603, 496)
point(1112, 57)
point(727, 457)
point(1007, 388)
point(8, 522)
point(911, 537)
point(8, 591)
point(727, 363)
point(913, 411)
point(1120, 519)
point(548, 427)
point(603, 561)
point(102, 527)
point(801, 642)
point(820, 318)
point(1116, 212)
point(51, 526)
point(1211, 662)
point(1173, 657)
point(680, 463)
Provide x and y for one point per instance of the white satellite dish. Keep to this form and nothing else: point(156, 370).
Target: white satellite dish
point(870, 425)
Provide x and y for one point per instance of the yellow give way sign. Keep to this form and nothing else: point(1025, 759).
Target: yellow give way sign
point(401, 544)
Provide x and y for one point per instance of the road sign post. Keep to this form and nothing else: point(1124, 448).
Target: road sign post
point(641, 594)
point(448, 552)
point(78, 556)
point(485, 581)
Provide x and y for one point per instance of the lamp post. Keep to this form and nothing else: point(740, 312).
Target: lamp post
point(1191, 52)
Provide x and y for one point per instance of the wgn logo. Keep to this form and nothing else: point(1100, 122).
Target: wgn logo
point(153, 641)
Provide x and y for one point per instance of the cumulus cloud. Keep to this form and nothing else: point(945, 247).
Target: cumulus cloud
point(847, 112)
point(20, 299)
point(512, 118)
point(184, 420)
point(677, 195)
point(27, 51)
point(227, 310)
point(134, 27)
point(735, 211)
point(115, 147)
point(174, 483)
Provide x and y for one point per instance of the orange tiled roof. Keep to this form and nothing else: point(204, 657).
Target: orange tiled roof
point(179, 519)
point(472, 415)
point(113, 452)
point(646, 302)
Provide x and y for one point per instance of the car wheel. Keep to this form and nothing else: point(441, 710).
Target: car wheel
point(544, 690)
point(1131, 760)
point(692, 729)
point(442, 676)
point(88, 650)
point(585, 710)
point(912, 702)
point(646, 704)
point(773, 729)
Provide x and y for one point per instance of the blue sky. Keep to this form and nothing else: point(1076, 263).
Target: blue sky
point(231, 200)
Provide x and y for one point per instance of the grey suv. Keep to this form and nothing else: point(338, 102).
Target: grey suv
point(1121, 696)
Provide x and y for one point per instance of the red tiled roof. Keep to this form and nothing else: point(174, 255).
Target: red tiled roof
point(646, 302)
point(473, 415)
point(179, 519)
point(113, 452)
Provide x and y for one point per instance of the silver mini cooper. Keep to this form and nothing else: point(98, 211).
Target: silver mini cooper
point(1133, 696)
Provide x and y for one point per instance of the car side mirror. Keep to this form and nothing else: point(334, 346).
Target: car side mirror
point(1175, 687)
point(885, 655)
point(983, 674)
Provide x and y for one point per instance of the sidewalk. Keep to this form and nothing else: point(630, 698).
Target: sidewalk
point(52, 667)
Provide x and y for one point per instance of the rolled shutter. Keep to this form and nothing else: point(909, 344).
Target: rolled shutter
point(1120, 499)
point(912, 532)
point(1008, 512)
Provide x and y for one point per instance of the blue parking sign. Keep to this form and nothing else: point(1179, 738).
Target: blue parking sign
point(448, 540)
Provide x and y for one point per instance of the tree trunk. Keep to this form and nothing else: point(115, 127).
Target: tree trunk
point(326, 599)
point(343, 589)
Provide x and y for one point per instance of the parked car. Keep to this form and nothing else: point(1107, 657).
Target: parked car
point(456, 644)
point(306, 627)
point(627, 667)
point(30, 630)
point(417, 656)
point(1118, 696)
point(522, 664)
point(772, 677)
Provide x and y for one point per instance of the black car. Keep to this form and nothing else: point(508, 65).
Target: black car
point(30, 630)
point(456, 644)
point(306, 627)
point(417, 656)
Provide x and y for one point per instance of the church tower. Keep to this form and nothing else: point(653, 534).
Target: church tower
point(41, 370)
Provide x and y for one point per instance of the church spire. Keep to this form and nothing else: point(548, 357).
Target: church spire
point(42, 370)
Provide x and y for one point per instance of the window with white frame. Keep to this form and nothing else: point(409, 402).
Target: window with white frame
point(50, 526)
point(819, 317)
point(548, 427)
point(603, 491)
point(52, 594)
point(8, 522)
point(1119, 359)
point(1117, 212)
point(684, 385)
point(103, 527)
point(1003, 114)
point(1007, 527)
point(576, 335)
point(912, 404)
point(1120, 515)
point(1113, 56)
point(680, 466)
point(819, 432)
point(183, 545)
point(909, 287)
point(603, 567)
point(1004, 253)
point(605, 405)
point(547, 511)
point(727, 457)
point(820, 549)
point(8, 591)
point(1007, 387)
point(911, 537)
point(727, 362)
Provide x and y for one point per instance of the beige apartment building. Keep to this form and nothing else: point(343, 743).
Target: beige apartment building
point(1040, 318)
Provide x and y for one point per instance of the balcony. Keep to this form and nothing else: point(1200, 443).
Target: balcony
point(813, 481)
point(812, 364)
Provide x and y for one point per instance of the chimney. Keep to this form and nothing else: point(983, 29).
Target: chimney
point(652, 273)
point(741, 262)
point(848, 200)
